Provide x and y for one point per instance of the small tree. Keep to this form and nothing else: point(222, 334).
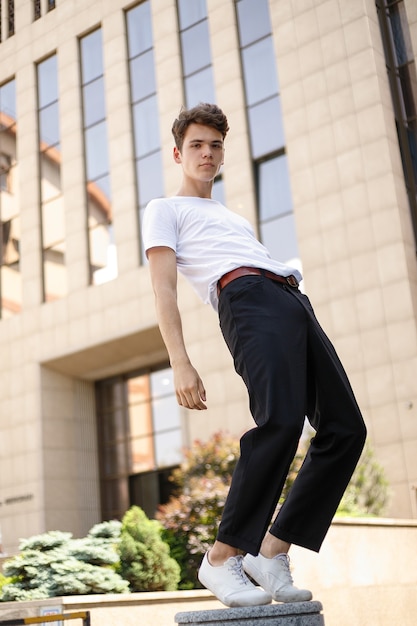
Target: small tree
point(145, 560)
point(54, 564)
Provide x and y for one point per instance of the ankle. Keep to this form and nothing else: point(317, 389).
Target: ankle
point(272, 546)
point(220, 552)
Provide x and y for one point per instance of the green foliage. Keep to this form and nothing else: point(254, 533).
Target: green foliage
point(54, 564)
point(367, 493)
point(190, 519)
point(145, 560)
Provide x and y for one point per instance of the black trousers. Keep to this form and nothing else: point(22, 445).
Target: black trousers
point(291, 370)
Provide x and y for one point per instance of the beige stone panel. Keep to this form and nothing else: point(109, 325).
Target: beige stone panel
point(381, 385)
point(398, 307)
point(335, 244)
point(370, 91)
point(355, 200)
point(375, 347)
point(357, 35)
point(391, 262)
point(405, 377)
point(350, 168)
point(370, 308)
point(328, 17)
point(391, 456)
point(408, 418)
point(344, 316)
point(387, 425)
point(321, 145)
point(340, 278)
point(381, 192)
point(351, 352)
point(386, 226)
point(310, 58)
point(359, 235)
point(337, 79)
point(341, 104)
point(306, 24)
point(351, 11)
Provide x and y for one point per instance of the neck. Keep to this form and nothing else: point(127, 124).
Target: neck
point(196, 189)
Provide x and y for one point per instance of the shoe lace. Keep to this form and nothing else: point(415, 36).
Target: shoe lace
point(236, 569)
point(285, 569)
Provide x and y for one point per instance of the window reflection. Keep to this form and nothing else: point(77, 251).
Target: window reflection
point(276, 221)
point(147, 143)
point(10, 276)
point(102, 247)
point(52, 202)
point(195, 52)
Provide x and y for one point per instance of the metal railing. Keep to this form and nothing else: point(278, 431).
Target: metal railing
point(84, 615)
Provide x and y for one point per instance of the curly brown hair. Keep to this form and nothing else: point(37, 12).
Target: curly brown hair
point(203, 113)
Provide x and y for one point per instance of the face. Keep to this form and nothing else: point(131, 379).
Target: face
point(202, 153)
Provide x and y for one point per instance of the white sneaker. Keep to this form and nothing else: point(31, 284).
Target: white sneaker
point(274, 576)
point(230, 584)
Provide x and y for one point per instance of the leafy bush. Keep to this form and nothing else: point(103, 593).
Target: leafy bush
point(54, 564)
point(145, 560)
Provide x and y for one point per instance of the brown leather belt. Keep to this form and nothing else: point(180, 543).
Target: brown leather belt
point(254, 271)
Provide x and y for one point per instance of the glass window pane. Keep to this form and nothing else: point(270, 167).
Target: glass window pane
point(91, 56)
point(196, 48)
point(55, 272)
point(142, 76)
point(140, 419)
point(138, 389)
point(47, 81)
point(191, 12)
point(266, 129)
point(254, 22)
point(93, 100)
point(50, 175)
point(165, 413)
point(53, 222)
point(96, 151)
point(200, 87)
point(274, 188)
point(11, 290)
point(168, 448)
point(279, 236)
point(146, 126)
point(218, 191)
point(150, 178)
point(142, 451)
point(260, 71)
point(139, 29)
point(162, 383)
point(8, 99)
point(49, 126)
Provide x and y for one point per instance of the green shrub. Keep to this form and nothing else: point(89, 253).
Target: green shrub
point(54, 564)
point(145, 560)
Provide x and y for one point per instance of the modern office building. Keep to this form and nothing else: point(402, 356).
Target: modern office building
point(321, 157)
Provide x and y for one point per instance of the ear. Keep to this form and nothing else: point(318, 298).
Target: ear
point(177, 155)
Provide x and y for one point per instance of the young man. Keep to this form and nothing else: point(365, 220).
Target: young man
point(288, 364)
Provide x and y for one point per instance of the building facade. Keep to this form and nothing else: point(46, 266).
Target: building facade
point(321, 157)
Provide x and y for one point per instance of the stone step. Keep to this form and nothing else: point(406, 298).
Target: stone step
point(290, 614)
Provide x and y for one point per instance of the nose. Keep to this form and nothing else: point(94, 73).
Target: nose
point(207, 151)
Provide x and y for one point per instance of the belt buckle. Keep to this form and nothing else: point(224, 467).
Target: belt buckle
point(292, 281)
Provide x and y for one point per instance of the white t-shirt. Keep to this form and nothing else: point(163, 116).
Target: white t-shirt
point(209, 240)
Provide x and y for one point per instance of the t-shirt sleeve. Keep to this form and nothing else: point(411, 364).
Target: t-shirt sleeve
point(159, 225)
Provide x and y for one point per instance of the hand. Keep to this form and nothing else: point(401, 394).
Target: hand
point(189, 387)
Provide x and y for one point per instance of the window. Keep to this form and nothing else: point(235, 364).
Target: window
point(51, 197)
point(10, 18)
point(144, 106)
point(102, 248)
point(275, 213)
point(10, 276)
point(401, 69)
point(36, 9)
point(195, 52)
point(140, 437)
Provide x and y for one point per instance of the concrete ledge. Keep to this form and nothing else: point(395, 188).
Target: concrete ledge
point(291, 614)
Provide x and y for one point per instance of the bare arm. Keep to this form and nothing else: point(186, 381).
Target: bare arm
point(188, 384)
